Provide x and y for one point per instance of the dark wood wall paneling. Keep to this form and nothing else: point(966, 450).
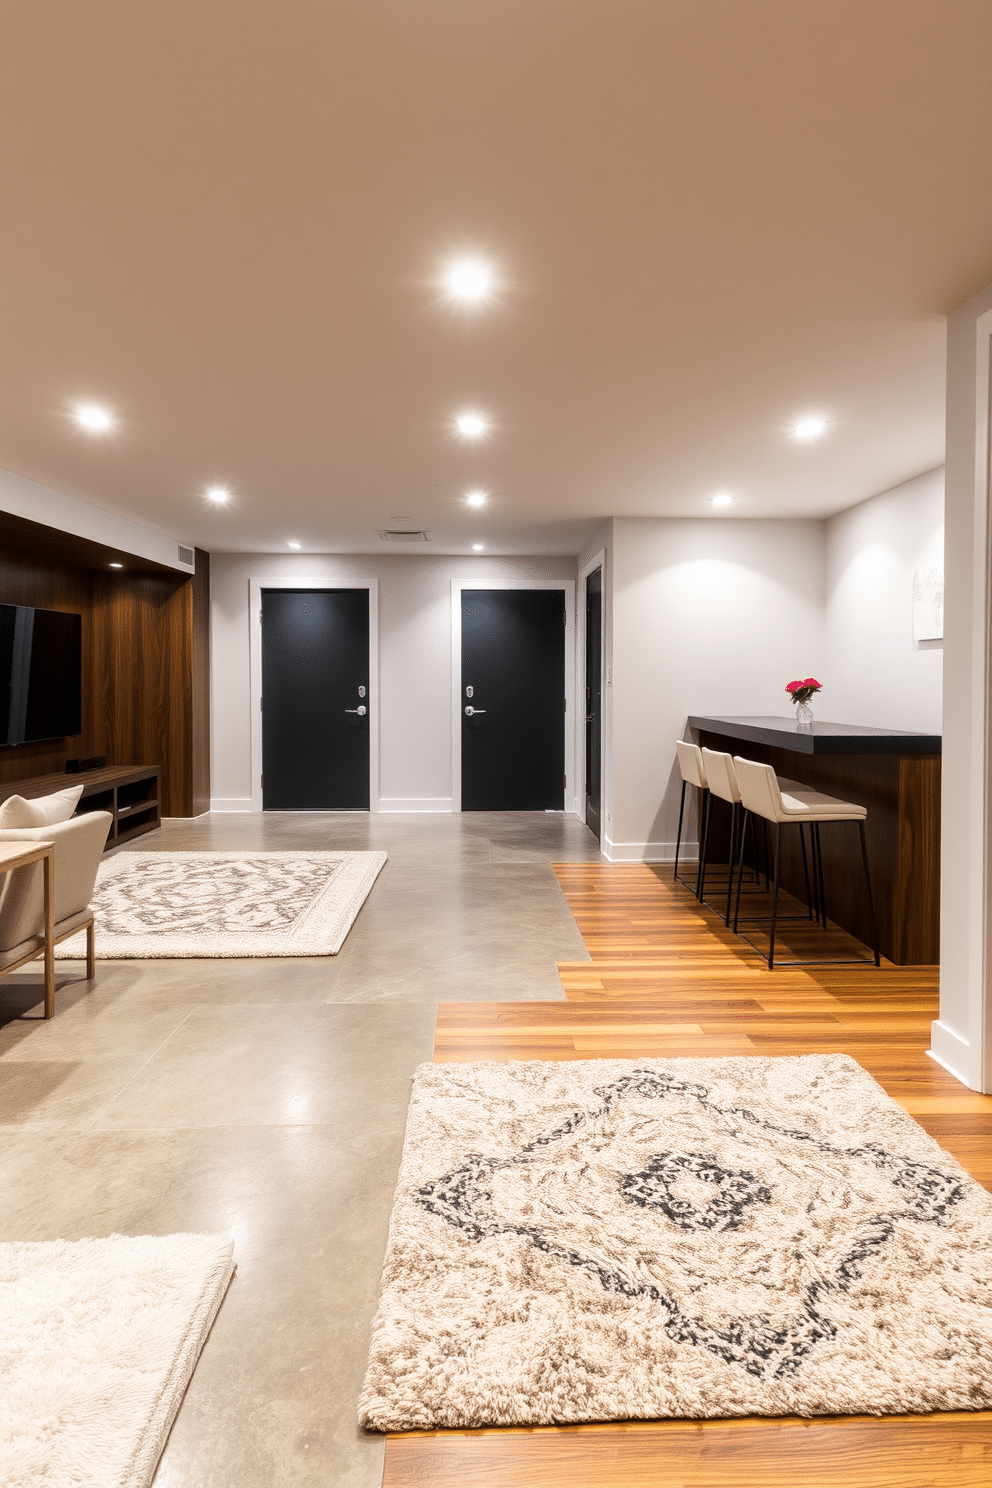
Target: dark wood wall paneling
point(146, 667)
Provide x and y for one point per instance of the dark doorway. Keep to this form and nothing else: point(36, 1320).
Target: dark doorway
point(513, 700)
point(594, 698)
point(315, 681)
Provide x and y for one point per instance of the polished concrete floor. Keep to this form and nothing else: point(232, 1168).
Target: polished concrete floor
point(267, 1099)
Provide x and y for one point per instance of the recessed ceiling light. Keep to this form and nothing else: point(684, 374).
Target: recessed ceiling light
point(91, 416)
point(219, 495)
point(477, 547)
point(810, 428)
point(116, 565)
point(472, 425)
point(469, 280)
point(291, 544)
point(722, 498)
point(476, 498)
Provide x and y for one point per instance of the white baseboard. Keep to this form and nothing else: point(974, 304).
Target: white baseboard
point(952, 1053)
point(230, 805)
point(648, 852)
point(198, 817)
point(414, 803)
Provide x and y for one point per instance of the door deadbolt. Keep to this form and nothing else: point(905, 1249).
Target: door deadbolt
point(470, 692)
point(361, 692)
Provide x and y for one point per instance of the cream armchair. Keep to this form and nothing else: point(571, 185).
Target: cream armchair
point(79, 845)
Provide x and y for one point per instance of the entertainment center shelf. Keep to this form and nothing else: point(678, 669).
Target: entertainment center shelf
point(129, 792)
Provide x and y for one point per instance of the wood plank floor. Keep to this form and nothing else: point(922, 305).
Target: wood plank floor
point(665, 978)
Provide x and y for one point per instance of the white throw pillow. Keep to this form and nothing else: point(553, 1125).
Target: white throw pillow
point(43, 812)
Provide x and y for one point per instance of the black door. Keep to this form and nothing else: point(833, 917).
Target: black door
point(594, 670)
point(513, 699)
point(315, 719)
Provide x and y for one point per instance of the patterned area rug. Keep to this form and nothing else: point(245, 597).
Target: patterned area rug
point(601, 1240)
point(98, 1340)
point(152, 904)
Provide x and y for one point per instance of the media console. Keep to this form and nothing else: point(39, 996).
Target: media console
point(128, 792)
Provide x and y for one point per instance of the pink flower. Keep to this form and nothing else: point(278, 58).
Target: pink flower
point(811, 682)
point(793, 686)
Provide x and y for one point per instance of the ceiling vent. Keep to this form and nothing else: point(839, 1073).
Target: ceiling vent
point(186, 555)
point(404, 534)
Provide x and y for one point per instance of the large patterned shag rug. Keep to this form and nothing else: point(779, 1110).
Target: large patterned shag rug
point(152, 904)
point(98, 1340)
point(605, 1239)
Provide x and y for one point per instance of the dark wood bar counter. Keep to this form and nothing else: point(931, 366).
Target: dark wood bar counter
point(896, 775)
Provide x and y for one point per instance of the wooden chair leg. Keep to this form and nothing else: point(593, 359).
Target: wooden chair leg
point(49, 890)
point(90, 951)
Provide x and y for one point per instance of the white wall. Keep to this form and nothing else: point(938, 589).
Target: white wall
point(961, 1039)
point(414, 663)
point(710, 616)
point(874, 672)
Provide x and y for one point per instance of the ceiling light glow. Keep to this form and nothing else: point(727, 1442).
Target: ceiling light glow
point(115, 565)
point(469, 280)
point(476, 498)
point(722, 498)
point(472, 425)
point(219, 495)
point(291, 544)
point(90, 416)
point(810, 428)
point(477, 547)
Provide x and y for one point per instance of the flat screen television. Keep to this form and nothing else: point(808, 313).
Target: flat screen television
point(40, 674)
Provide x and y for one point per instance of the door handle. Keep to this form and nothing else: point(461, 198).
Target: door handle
point(471, 712)
point(361, 710)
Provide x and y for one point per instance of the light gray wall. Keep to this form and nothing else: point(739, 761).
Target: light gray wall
point(414, 662)
point(710, 616)
point(874, 672)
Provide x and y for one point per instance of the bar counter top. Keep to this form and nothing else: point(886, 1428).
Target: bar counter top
point(820, 738)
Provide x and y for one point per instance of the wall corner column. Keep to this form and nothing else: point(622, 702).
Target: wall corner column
point(960, 1036)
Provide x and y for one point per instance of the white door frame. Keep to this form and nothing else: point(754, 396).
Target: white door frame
point(255, 656)
point(457, 586)
point(599, 561)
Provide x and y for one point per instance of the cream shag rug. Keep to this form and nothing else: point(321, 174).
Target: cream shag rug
point(691, 1237)
point(164, 904)
point(98, 1340)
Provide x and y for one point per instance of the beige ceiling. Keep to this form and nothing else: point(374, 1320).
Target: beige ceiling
point(226, 220)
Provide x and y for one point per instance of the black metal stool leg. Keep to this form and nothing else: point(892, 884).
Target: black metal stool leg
point(754, 847)
point(730, 858)
point(871, 904)
point(701, 876)
point(778, 854)
point(678, 835)
point(809, 897)
point(819, 874)
point(740, 869)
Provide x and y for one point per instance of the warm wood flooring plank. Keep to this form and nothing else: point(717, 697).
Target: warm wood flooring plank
point(666, 978)
point(937, 1452)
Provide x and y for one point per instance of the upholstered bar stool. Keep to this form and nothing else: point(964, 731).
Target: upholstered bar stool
point(722, 779)
point(762, 795)
point(693, 773)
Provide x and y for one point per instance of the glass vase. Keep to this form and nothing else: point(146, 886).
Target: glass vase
point(804, 717)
